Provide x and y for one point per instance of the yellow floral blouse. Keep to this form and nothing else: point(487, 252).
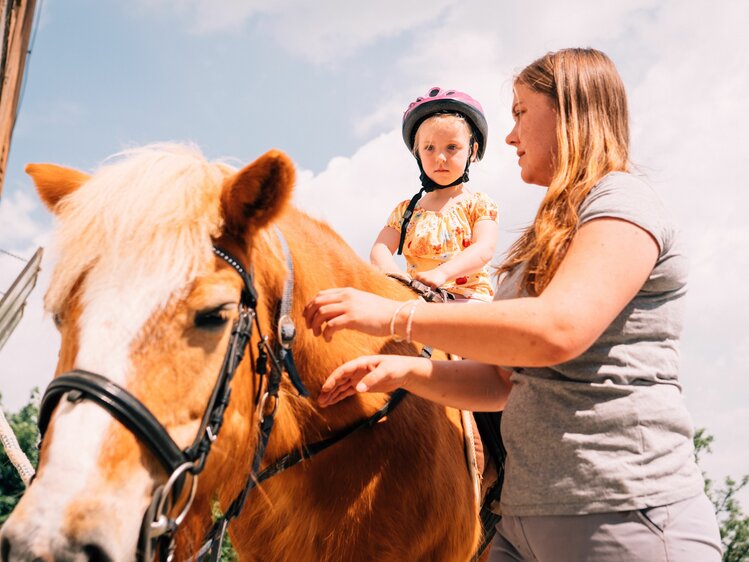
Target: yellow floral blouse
point(435, 237)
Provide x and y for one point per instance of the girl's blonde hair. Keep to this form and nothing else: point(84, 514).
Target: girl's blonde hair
point(592, 132)
point(443, 116)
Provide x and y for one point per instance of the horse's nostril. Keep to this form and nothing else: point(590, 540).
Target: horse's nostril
point(5, 549)
point(95, 553)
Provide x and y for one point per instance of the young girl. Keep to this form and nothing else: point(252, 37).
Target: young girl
point(449, 239)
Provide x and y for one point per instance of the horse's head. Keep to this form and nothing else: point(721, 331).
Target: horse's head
point(141, 299)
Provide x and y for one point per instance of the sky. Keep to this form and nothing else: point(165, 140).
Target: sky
point(327, 82)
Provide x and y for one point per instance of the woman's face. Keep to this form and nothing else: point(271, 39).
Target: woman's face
point(534, 135)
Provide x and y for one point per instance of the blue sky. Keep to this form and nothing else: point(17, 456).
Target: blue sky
point(327, 82)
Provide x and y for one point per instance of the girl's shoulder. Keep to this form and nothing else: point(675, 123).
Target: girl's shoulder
point(481, 206)
point(400, 208)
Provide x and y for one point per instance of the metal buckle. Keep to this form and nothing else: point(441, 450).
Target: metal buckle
point(244, 322)
point(286, 331)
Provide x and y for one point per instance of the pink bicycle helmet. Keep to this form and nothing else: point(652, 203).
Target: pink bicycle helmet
point(438, 100)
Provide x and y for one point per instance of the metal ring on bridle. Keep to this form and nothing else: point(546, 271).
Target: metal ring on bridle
point(161, 507)
point(261, 406)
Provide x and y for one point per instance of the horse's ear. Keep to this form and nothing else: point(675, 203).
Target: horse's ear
point(55, 182)
point(256, 194)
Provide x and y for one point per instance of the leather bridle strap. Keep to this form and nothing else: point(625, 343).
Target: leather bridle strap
point(310, 450)
point(122, 405)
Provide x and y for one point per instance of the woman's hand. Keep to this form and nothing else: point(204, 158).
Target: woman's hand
point(435, 278)
point(375, 373)
point(337, 309)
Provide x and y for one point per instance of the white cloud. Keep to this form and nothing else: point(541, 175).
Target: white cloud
point(355, 195)
point(205, 17)
point(330, 30)
point(321, 32)
point(20, 231)
point(29, 355)
point(690, 118)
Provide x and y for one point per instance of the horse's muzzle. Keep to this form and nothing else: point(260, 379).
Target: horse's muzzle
point(24, 547)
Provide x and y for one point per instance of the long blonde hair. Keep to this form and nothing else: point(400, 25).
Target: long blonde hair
point(592, 132)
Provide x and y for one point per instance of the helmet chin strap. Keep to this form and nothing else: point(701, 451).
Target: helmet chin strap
point(427, 185)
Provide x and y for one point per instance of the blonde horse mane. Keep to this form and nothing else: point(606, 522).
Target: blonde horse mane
point(166, 198)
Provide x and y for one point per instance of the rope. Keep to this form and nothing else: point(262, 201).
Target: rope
point(7, 253)
point(14, 451)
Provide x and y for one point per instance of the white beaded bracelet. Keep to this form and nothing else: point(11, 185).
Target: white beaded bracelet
point(395, 336)
point(410, 320)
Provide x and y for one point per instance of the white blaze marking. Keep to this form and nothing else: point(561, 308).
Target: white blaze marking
point(112, 318)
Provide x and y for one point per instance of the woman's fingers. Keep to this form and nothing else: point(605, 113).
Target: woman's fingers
point(324, 307)
point(343, 381)
point(377, 373)
point(337, 309)
point(350, 371)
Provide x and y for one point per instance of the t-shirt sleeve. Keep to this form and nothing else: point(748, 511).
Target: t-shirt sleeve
point(627, 197)
point(396, 217)
point(485, 209)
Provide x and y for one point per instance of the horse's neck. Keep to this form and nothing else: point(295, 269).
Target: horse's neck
point(321, 260)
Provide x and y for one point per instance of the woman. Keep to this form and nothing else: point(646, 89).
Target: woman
point(586, 327)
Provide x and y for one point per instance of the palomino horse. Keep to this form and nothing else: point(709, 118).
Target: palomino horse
point(145, 303)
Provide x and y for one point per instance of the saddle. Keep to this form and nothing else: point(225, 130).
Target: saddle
point(485, 452)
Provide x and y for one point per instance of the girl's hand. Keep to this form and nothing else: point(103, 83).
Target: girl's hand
point(351, 309)
point(435, 278)
point(375, 373)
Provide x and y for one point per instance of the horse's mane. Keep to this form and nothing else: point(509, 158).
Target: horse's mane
point(149, 211)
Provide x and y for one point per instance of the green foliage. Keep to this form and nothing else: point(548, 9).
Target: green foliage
point(734, 524)
point(23, 423)
point(228, 554)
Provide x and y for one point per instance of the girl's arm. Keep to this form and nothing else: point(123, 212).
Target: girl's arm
point(470, 260)
point(461, 384)
point(381, 255)
point(606, 264)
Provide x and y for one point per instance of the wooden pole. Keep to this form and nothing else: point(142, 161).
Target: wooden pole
point(17, 19)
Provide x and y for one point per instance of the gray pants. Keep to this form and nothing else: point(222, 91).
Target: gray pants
point(685, 531)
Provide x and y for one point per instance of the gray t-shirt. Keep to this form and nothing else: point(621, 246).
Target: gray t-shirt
point(608, 430)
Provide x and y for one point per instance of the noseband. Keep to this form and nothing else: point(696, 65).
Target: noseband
point(159, 527)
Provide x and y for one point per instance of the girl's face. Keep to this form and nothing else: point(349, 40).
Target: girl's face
point(443, 145)
point(534, 135)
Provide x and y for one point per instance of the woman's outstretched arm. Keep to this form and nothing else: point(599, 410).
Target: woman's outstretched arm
point(461, 384)
point(607, 263)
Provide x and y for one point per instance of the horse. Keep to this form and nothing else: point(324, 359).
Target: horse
point(159, 252)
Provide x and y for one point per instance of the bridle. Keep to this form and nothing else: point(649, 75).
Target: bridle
point(159, 527)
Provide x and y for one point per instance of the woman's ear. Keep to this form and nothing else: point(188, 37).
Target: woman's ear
point(475, 151)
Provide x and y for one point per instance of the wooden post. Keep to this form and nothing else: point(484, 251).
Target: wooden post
point(16, 18)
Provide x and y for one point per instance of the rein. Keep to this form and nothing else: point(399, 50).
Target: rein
point(159, 527)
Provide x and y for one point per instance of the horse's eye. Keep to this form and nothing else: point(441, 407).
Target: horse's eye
point(211, 319)
point(57, 319)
